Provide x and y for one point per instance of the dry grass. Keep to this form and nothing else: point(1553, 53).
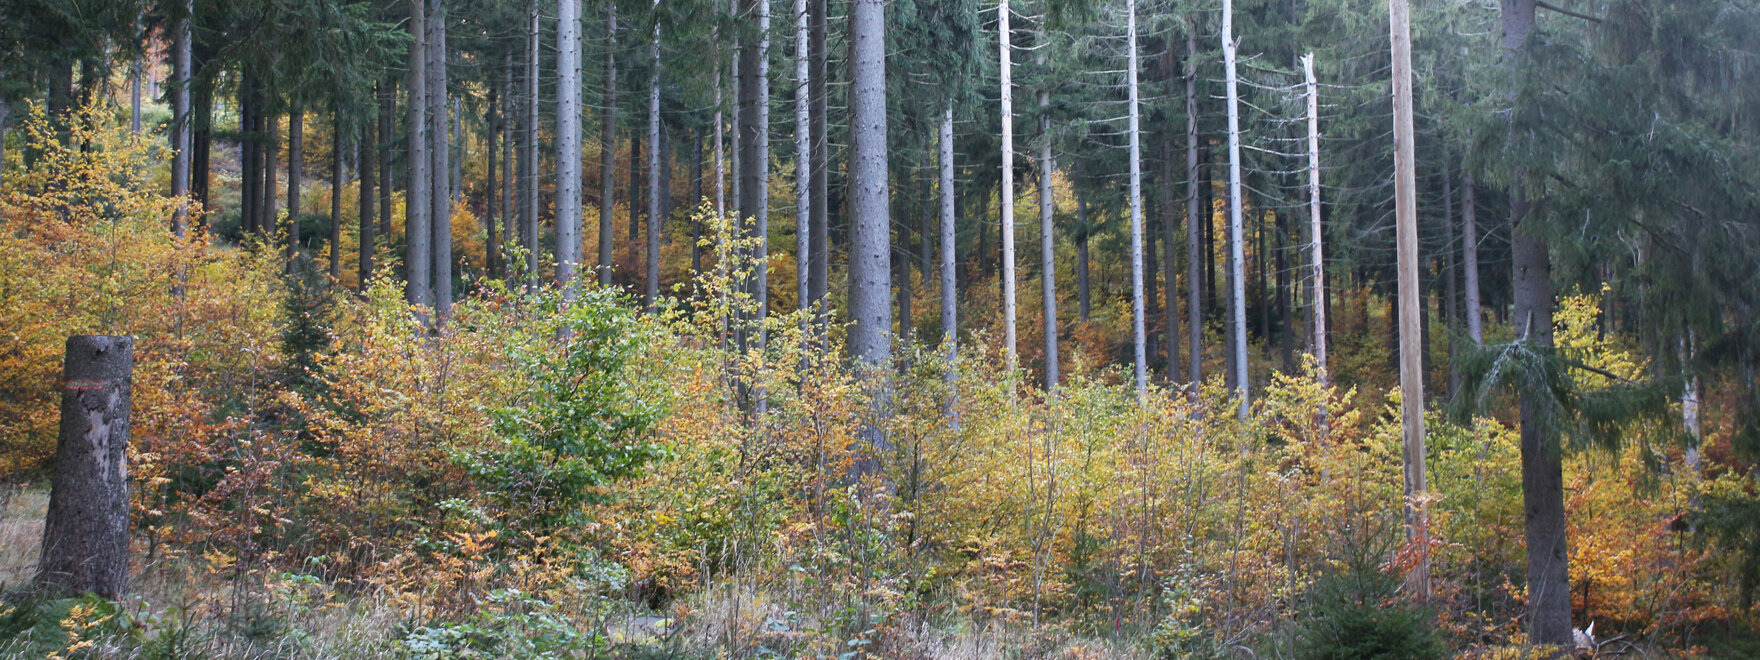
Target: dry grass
point(21, 534)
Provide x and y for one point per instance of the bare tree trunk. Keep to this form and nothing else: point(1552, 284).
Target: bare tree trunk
point(1006, 64)
point(529, 147)
point(949, 263)
point(608, 149)
point(336, 145)
point(1470, 260)
point(387, 134)
point(491, 243)
point(568, 143)
point(1317, 257)
point(1082, 285)
point(180, 119)
point(417, 223)
point(249, 166)
point(368, 145)
point(1411, 330)
point(271, 157)
point(1169, 262)
point(85, 535)
point(803, 158)
point(696, 203)
point(1237, 281)
point(1141, 366)
point(509, 108)
point(1194, 215)
point(1047, 233)
point(1450, 292)
point(440, 150)
point(296, 120)
point(651, 288)
point(870, 208)
point(818, 264)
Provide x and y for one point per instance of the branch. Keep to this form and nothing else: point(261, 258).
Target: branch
point(1567, 12)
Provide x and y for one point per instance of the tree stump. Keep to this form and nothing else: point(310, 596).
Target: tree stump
point(85, 536)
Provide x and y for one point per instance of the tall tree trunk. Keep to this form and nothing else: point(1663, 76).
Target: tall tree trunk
point(201, 143)
point(509, 111)
point(696, 204)
point(85, 534)
point(1194, 215)
point(1549, 599)
point(1470, 260)
point(651, 288)
point(417, 223)
point(1286, 325)
point(754, 159)
point(440, 149)
point(568, 143)
point(635, 191)
point(1169, 238)
point(1047, 233)
point(1082, 288)
point(1450, 277)
point(180, 118)
point(1006, 67)
point(296, 121)
point(336, 146)
point(1138, 317)
point(250, 165)
point(1411, 359)
point(1317, 258)
point(529, 193)
point(803, 157)
point(491, 243)
point(819, 181)
point(870, 211)
point(387, 134)
point(608, 148)
point(1237, 280)
point(949, 276)
point(368, 146)
point(271, 157)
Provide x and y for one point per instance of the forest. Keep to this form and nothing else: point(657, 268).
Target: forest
point(1305, 329)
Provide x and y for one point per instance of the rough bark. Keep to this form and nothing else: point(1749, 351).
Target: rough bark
point(417, 229)
point(818, 266)
point(1194, 215)
point(440, 150)
point(1141, 367)
point(803, 156)
point(608, 148)
point(368, 145)
point(651, 282)
point(1047, 232)
point(296, 121)
point(1083, 301)
point(1411, 362)
point(336, 146)
point(180, 118)
point(1316, 245)
point(85, 535)
point(491, 242)
point(1006, 66)
point(949, 283)
point(387, 133)
point(529, 147)
point(1237, 280)
point(1470, 261)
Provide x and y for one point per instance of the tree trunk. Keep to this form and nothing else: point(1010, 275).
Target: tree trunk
point(1411, 359)
point(510, 173)
point(1194, 215)
point(608, 148)
point(271, 157)
point(387, 134)
point(696, 204)
point(1450, 291)
point(568, 143)
point(949, 276)
point(336, 145)
point(296, 121)
point(491, 244)
point(635, 191)
point(651, 283)
point(818, 264)
point(1047, 232)
point(180, 119)
point(440, 149)
point(529, 147)
point(1169, 262)
point(869, 199)
point(1141, 368)
point(1006, 66)
point(249, 166)
point(85, 535)
point(1285, 337)
point(368, 145)
point(1237, 280)
point(1317, 259)
point(803, 157)
point(1470, 261)
point(754, 159)
point(417, 223)
point(1082, 286)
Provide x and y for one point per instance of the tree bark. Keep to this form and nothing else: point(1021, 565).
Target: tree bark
point(180, 119)
point(818, 264)
point(529, 147)
point(1047, 232)
point(440, 149)
point(803, 157)
point(1470, 261)
point(417, 223)
point(870, 207)
point(651, 283)
point(368, 145)
point(387, 133)
point(1138, 299)
point(1411, 359)
point(1237, 281)
point(1317, 257)
point(949, 276)
point(568, 143)
point(608, 149)
point(491, 244)
point(296, 120)
point(1082, 287)
point(1169, 262)
point(336, 145)
point(1194, 215)
point(85, 535)
point(1006, 66)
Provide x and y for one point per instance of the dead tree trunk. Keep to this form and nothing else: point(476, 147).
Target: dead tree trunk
point(85, 536)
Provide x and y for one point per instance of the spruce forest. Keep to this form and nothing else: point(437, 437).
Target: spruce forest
point(1298, 329)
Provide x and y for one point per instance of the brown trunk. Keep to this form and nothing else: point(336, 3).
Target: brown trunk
point(85, 535)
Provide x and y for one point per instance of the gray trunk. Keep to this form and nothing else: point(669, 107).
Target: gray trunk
point(568, 143)
point(949, 262)
point(386, 134)
point(820, 187)
point(180, 119)
point(1317, 258)
point(85, 535)
point(651, 283)
point(608, 148)
point(1141, 363)
point(1082, 290)
point(1194, 215)
point(803, 157)
point(440, 150)
point(529, 145)
point(1237, 280)
point(1470, 261)
point(417, 228)
point(368, 147)
point(1411, 329)
point(296, 121)
point(1047, 233)
point(869, 203)
point(1006, 66)
point(336, 150)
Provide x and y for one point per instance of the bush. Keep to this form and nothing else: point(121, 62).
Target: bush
point(1356, 611)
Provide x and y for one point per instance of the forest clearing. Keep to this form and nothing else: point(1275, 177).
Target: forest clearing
point(703, 329)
